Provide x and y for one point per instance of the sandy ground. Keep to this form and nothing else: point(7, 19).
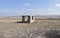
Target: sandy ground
point(9, 28)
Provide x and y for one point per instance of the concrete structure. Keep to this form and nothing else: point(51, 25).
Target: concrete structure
point(28, 19)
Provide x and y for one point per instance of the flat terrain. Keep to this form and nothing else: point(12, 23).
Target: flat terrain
point(10, 28)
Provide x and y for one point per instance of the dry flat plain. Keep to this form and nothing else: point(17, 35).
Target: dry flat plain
point(11, 28)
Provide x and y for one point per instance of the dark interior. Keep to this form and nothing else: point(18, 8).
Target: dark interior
point(32, 17)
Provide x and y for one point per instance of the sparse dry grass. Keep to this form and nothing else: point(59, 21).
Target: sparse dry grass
point(10, 29)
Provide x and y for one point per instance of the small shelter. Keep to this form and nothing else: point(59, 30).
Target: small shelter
point(28, 18)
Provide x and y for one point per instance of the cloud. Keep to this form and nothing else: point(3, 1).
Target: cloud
point(27, 4)
point(57, 5)
point(50, 9)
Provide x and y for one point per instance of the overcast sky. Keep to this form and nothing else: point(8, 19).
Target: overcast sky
point(29, 7)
